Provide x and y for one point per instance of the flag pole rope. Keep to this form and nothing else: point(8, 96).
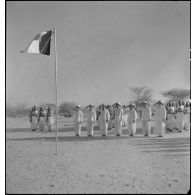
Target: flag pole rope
point(86, 72)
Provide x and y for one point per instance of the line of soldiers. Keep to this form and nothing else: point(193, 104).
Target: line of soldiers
point(178, 115)
point(42, 119)
point(162, 115)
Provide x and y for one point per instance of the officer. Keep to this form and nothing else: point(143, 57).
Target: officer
point(118, 113)
point(145, 118)
point(91, 118)
point(132, 117)
point(104, 119)
point(160, 117)
point(78, 118)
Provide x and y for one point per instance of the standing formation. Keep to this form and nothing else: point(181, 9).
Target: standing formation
point(42, 119)
point(173, 116)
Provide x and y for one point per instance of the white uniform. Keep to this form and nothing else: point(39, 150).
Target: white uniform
point(160, 116)
point(132, 117)
point(78, 118)
point(118, 120)
point(91, 118)
point(146, 117)
point(170, 121)
point(104, 118)
point(180, 120)
point(50, 122)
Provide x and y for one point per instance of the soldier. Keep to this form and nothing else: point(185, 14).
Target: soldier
point(170, 119)
point(180, 119)
point(145, 118)
point(132, 116)
point(49, 119)
point(33, 118)
point(41, 119)
point(90, 119)
point(104, 119)
point(109, 108)
point(160, 117)
point(118, 112)
point(187, 116)
point(78, 118)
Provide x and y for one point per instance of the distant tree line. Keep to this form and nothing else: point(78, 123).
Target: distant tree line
point(138, 94)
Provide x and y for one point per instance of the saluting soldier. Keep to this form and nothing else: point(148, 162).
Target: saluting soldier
point(49, 119)
point(118, 116)
point(91, 118)
point(180, 119)
point(160, 117)
point(132, 117)
point(78, 118)
point(104, 119)
point(145, 118)
point(41, 119)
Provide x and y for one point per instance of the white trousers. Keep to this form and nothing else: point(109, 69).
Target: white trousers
point(90, 125)
point(50, 123)
point(42, 123)
point(132, 128)
point(145, 127)
point(159, 128)
point(118, 127)
point(104, 127)
point(34, 122)
point(77, 128)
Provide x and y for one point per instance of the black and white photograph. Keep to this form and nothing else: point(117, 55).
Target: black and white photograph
point(98, 97)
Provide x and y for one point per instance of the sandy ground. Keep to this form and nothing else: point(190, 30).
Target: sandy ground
point(94, 165)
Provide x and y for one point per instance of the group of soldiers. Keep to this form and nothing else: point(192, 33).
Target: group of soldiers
point(178, 115)
point(173, 116)
point(42, 119)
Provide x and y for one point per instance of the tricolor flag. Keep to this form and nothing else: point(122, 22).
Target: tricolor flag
point(40, 44)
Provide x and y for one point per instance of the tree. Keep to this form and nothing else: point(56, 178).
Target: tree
point(66, 108)
point(20, 110)
point(176, 94)
point(139, 94)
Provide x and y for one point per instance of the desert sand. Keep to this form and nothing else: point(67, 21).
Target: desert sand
point(94, 164)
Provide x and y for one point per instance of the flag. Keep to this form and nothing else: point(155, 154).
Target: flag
point(40, 44)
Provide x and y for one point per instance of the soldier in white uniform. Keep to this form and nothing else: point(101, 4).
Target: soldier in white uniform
point(180, 119)
point(160, 117)
point(145, 118)
point(49, 119)
point(118, 116)
point(91, 118)
point(78, 118)
point(132, 117)
point(104, 119)
point(41, 119)
point(170, 119)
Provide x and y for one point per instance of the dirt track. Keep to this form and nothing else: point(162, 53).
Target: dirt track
point(95, 165)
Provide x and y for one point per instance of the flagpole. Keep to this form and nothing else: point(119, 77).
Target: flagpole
point(56, 90)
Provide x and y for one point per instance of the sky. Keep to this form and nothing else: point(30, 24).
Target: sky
point(103, 49)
